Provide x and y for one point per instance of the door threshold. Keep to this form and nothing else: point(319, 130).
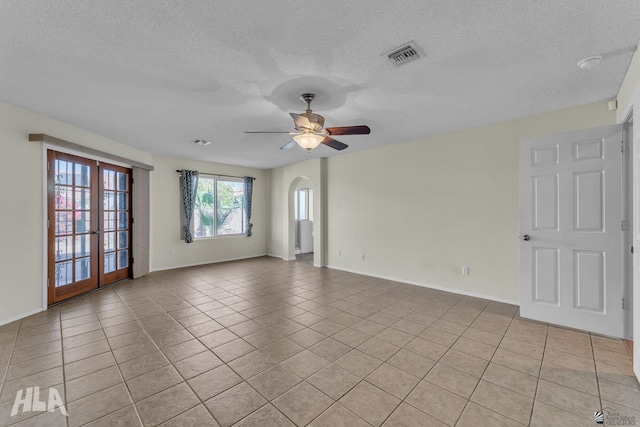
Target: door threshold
point(84, 294)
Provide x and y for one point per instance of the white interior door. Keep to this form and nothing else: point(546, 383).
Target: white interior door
point(571, 230)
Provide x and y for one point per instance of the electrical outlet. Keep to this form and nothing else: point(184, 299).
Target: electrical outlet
point(362, 256)
point(339, 252)
point(170, 251)
point(465, 270)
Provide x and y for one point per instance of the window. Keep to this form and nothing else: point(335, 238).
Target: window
point(302, 204)
point(219, 208)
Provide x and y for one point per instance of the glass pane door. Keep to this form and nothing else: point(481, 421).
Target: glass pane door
point(89, 225)
point(73, 240)
point(116, 223)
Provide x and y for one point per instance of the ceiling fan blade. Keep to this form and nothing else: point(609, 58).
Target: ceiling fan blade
point(301, 121)
point(349, 130)
point(334, 144)
point(288, 145)
point(266, 132)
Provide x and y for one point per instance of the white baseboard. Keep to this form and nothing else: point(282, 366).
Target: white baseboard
point(208, 262)
point(430, 286)
point(20, 316)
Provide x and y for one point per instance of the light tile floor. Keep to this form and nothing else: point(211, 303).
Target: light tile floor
point(263, 342)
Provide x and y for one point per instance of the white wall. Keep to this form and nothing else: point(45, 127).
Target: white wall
point(421, 210)
point(22, 227)
point(166, 214)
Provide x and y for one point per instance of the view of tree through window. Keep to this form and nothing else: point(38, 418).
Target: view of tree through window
point(219, 207)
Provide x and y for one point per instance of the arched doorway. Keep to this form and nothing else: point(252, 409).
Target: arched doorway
point(304, 221)
point(301, 204)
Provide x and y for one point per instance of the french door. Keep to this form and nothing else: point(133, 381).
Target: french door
point(89, 225)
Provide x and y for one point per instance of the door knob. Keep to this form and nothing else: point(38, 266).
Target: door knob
point(526, 237)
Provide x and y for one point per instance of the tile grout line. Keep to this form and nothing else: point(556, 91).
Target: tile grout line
point(595, 367)
point(135, 408)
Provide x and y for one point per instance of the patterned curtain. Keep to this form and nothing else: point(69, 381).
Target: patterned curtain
point(248, 192)
point(189, 184)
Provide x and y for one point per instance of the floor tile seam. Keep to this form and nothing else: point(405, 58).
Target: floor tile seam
point(614, 380)
point(122, 381)
point(270, 402)
point(432, 415)
point(102, 416)
point(542, 379)
point(40, 368)
point(423, 378)
point(623, 405)
point(595, 365)
point(245, 381)
point(526, 332)
point(499, 413)
point(554, 381)
point(625, 352)
point(184, 381)
point(3, 379)
point(401, 401)
point(546, 346)
point(483, 374)
point(570, 340)
point(558, 407)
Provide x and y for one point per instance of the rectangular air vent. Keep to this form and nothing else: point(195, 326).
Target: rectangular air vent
point(201, 142)
point(404, 54)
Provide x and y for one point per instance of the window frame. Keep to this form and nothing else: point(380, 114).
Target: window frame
point(297, 204)
point(216, 179)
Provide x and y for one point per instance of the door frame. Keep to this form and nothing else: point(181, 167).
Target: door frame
point(627, 215)
point(45, 207)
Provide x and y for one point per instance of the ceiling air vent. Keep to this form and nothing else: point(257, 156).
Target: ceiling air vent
point(201, 142)
point(404, 54)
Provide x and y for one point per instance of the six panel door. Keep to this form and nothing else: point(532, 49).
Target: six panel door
point(571, 230)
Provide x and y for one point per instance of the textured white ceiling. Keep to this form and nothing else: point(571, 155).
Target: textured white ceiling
point(157, 74)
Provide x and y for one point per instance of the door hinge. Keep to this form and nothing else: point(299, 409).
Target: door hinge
point(47, 282)
point(133, 260)
point(48, 224)
point(624, 304)
point(631, 249)
point(625, 225)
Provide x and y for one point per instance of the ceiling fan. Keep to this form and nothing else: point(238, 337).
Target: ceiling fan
point(310, 131)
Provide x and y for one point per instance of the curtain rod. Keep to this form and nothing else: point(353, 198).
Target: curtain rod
point(216, 174)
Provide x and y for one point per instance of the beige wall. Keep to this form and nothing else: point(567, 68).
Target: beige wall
point(418, 210)
point(421, 210)
point(166, 214)
point(629, 87)
point(22, 225)
point(283, 182)
point(22, 207)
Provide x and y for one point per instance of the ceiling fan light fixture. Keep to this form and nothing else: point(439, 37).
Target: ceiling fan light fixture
point(308, 141)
